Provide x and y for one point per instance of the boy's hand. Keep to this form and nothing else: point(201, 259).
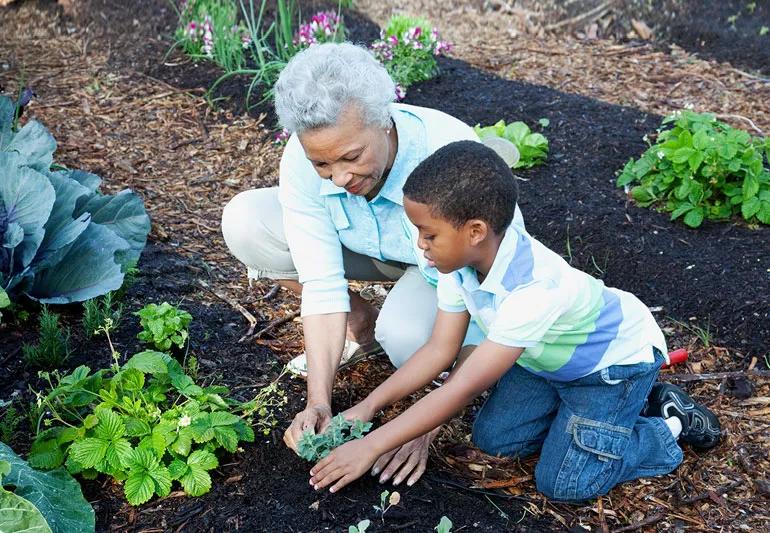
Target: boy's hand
point(409, 460)
point(314, 418)
point(344, 464)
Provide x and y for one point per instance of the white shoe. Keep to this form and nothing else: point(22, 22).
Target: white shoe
point(352, 353)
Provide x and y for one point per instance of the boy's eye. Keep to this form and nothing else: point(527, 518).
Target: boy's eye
point(429, 237)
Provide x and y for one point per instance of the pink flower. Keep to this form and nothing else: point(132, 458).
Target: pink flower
point(400, 92)
point(282, 137)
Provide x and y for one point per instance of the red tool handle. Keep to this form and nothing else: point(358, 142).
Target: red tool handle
point(676, 357)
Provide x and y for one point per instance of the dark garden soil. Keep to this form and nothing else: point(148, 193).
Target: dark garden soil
point(716, 278)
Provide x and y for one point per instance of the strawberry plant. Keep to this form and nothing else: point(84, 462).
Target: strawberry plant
point(146, 424)
point(314, 447)
point(163, 326)
point(533, 147)
point(700, 168)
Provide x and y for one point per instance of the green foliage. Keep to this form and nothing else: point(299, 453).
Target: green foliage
point(533, 147)
point(362, 526)
point(209, 29)
point(163, 326)
point(5, 301)
point(52, 348)
point(97, 311)
point(314, 447)
point(9, 421)
point(53, 496)
point(408, 48)
point(444, 525)
point(61, 240)
point(146, 423)
point(701, 168)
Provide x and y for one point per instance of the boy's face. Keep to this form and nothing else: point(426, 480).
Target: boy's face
point(446, 247)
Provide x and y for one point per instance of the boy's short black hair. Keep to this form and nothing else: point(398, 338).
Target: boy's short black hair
point(465, 180)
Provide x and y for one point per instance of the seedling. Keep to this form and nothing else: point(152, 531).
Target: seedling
point(315, 447)
point(362, 526)
point(164, 326)
point(96, 311)
point(387, 500)
point(533, 147)
point(52, 348)
point(444, 525)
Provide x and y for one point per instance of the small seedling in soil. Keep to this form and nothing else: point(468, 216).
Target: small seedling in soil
point(96, 311)
point(315, 447)
point(163, 326)
point(362, 526)
point(444, 525)
point(387, 502)
point(52, 348)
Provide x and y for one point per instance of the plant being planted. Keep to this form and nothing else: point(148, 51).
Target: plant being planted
point(147, 424)
point(408, 48)
point(533, 147)
point(315, 447)
point(163, 326)
point(62, 240)
point(701, 168)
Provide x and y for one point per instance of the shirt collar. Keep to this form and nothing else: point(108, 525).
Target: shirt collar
point(493, 283)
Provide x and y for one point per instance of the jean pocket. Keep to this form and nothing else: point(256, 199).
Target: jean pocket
point(605, 441)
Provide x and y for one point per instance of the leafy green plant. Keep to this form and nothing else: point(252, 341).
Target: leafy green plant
point(61, 240)
point(147, 424)
point(52, 348)
point(5, 301)
point(408, 48)
point(533, 147)
point(96, 311)
point(444, 525)
point(163, 326)
point(701, 168)
point(40, 501)
point(314, 447)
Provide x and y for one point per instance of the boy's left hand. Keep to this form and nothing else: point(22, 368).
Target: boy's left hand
point(344, 464)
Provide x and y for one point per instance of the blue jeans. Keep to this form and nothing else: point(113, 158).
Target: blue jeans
point(588, 431)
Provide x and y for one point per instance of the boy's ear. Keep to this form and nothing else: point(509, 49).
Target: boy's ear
point(478, 230)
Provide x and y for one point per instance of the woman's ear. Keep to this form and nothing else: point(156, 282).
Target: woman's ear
point(478, 230)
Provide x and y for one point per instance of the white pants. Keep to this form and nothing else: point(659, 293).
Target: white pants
point(252, 225)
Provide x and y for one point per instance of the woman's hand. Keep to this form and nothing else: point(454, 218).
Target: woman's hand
point(407, 461)
point(314, 418)
point(344, 464)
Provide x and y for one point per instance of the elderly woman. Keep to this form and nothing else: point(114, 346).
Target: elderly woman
point(337, 215)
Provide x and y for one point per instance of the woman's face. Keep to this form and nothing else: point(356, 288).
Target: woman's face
point(355, 157)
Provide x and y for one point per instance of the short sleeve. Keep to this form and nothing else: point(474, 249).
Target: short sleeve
point(450, 298)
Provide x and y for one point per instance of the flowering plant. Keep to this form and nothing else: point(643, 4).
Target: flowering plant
point(324, 27)
point(208, 28)
point(408, 48)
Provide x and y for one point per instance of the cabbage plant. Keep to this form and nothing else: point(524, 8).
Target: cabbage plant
point(61, 240)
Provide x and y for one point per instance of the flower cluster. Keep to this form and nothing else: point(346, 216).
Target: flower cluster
point(282, 137)
point(324, 27)
point(408, 50)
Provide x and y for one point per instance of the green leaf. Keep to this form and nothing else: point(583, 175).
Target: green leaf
point(681, 210)
point(226, 437)
point(89, 451)
point(131, 379)
point(750, 186)
point(136, 427)
point(694, 218)
point(681, 155)
point(146, 476)
point(750, 207)
point(46, 454)
point(149, 362)
point(118, 454)
point(110, 425)
point(18, 514)
point(196, 481)
point(177, 468)
point(764, 212)
point(516, 132)
point(55, 494)
point(203, 459)
point(183, 442)
point(139, 487)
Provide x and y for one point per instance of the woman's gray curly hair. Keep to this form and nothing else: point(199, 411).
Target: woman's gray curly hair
point(319, 82)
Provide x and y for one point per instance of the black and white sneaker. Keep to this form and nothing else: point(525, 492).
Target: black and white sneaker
point(700, 427)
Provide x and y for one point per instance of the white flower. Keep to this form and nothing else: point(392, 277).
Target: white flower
point(184, 421)
point(660, 154)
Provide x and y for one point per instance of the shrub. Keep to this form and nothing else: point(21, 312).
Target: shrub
point(702, 168)
point(40, 501)
point(147, 424)
point(163, 326)
point(408, 48)
point(209, 29)
point(63, 241)
point(533, 147)
point(52, 348)
point(314, 447)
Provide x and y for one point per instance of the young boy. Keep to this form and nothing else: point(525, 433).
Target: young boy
point(573, 363)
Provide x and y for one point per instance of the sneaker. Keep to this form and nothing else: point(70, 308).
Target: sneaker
point(700, 427)
point(352, 353)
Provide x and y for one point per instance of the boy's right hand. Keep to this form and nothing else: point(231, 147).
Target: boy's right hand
point(314, 418)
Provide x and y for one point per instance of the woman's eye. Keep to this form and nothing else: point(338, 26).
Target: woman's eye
point(350, 159)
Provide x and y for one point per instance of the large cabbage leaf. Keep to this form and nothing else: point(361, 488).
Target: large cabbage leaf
point(54, 493)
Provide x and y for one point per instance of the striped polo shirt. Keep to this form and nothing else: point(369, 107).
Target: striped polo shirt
point(569, 324)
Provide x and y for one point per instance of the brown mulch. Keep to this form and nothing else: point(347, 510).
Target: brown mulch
point(187, 160)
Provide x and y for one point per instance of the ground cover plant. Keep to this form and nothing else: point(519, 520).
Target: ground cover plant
point(31, 500)
point(313, 447)
point(701, 168)
point(62, 240)
point(145, 423)
point(163, 326)
point(408, 47)
point(533, 147)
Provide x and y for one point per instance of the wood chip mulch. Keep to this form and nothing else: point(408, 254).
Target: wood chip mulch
point(187, 161)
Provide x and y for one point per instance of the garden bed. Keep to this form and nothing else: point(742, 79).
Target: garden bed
point(715, 274)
